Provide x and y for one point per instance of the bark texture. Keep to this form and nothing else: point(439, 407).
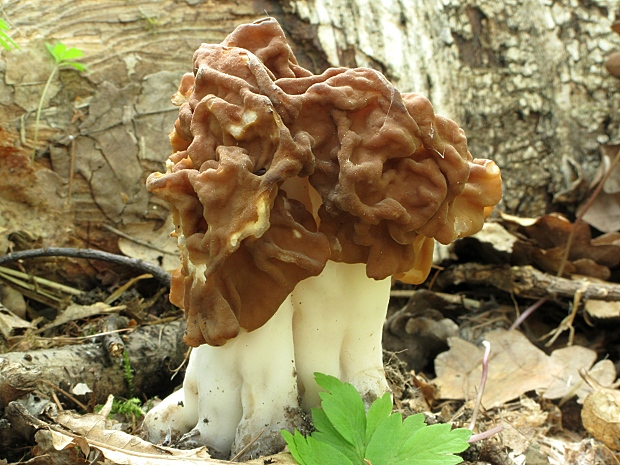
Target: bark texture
point(154, 352)
point(102, 132)
point(525, 79)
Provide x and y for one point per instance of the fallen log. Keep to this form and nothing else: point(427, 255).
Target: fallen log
point(526, 281)
point(154, 352)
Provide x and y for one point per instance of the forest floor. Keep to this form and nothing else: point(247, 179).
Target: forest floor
point(550, 386)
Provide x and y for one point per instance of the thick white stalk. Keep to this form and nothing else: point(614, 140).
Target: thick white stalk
point(249, 387)
point(234, 393)
point(337, 329)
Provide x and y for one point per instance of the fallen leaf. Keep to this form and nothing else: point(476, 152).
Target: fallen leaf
point(600, 414)
point(10, 323)
point(91, 431)
point(604, 212)
point(79, 312)
point(516, 366)
point(153, 246)
point(523, 425)
point(602, 309)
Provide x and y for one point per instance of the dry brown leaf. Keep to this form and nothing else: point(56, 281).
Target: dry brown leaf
point(602, 309)
point(523, 425)
point(91, 432)
point(516, 366)
point(601, 415)
point(153, 246)
point(79, 312)
point(10, 323)
point(604, 212)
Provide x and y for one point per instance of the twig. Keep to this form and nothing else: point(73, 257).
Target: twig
point(112, 342)
point(120, 233)
point(76, 338)
point(66, 394)
point(42, 281)
point(526, 281)
point(117, 293)
point(71, 171)
point(247, 446)
point(567, 323)
point(92, 254)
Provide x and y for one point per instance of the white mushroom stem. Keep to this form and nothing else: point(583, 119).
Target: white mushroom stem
point(337, 329)
point(249, 387)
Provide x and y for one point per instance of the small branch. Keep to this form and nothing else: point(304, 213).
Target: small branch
point(120, 233)
point(112, 341)
point(526, 281)
point(91, 254)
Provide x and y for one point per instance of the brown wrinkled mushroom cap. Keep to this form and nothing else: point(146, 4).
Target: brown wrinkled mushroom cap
point(258, 137)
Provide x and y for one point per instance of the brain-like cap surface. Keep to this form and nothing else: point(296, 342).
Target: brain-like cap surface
point(276, 170)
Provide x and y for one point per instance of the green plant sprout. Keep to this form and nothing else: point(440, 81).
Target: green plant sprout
point(64, 58)
point(5, 39)
point(347, 435)
point(131, 407)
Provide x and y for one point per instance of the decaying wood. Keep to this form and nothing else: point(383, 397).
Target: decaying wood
point(154, 352)
point(113, 342)
point(526, 281)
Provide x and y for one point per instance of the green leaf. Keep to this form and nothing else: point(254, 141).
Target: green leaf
point(5, 39)
point(71, 54)
point(386, 441)
point(63, 56)
point(347, 435)
point(344, 408)
point(378, 412)
point(413, 423)
point(74, 64)
point(327, 433)
point(309, 451)
point(435, 445)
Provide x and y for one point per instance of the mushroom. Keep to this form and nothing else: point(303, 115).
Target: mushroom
point(296, 198)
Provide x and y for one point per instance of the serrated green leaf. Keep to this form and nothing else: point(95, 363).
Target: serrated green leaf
point(413, 423)
point(378, 412)
point(346, 435)
point(325, 432)
point(309, 451)
point(435, 445)
point(344, 408)
point(385, 443)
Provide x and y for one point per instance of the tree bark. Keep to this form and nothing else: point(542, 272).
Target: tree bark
point(154, 351)
point(525, 79)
